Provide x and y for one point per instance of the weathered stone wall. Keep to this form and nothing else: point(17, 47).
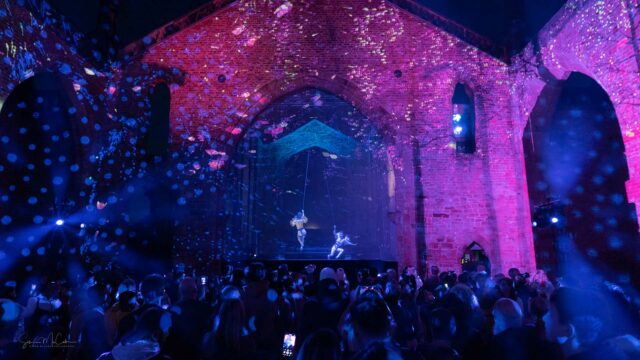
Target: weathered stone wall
point(264, 50)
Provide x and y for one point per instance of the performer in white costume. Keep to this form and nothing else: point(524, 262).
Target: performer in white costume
point(341, 240)
point(299, 221)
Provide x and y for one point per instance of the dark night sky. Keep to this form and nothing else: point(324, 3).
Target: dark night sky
point(507, 22)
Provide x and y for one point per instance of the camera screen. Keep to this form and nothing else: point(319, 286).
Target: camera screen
point(288, 344)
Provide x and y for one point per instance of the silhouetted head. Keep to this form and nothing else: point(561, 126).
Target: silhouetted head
point(127, 301)
point(323, 344)
point(464, 293)
point(370, 322)
point(328, 273)
point(230, 292)
point(435, 270)
point(126, 285)
point(188, 288)
point(514, 273)
point(255, 272)
point(576, 319)
point(507, 314)
point(229, 326)
point(154, 324)
point(442, 324)
point(152, 288)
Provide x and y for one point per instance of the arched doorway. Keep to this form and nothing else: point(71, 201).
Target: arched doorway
point(38, 184)
point(474, 259)
point(308, 150)
point(576, 173)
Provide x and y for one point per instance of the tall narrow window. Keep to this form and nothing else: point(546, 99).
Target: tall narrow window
point(463, 120)
point(158, 134)
point(155, 232)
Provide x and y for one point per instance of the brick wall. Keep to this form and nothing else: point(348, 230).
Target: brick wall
point(267, 49)
point(598, 39)
point(352, 49)
point(595, 38)
point(31, 46)
point(108, 111)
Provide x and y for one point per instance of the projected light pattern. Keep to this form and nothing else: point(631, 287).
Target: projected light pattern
point(575, 156)
point(312, 134)
point(223, 71)
point(329, 161)
point(395, 68)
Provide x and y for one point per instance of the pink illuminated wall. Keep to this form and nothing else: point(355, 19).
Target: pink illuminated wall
point(397, 69)
point(600, 40)
point(266, 50)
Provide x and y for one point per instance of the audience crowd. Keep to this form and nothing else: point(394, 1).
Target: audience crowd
point(259, 313)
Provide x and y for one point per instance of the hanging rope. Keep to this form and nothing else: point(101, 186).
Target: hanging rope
point(306, 178)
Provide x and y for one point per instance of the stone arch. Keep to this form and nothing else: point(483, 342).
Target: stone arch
point(382, 119)
point(290, 148)
point(567, 63)
point(474, 248)
point(550, 93)
point(467, 78)
point(340, 87)
point(547, 108)
point(78, 128)
point(41, 152)
point(78, 132)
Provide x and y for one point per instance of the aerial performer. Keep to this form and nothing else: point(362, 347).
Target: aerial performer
point(341, 241)
point(298, 221)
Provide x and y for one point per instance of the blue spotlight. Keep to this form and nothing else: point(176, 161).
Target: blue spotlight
point(554, 220)
point(59, 222)
point(535, 224)
point(82, 226)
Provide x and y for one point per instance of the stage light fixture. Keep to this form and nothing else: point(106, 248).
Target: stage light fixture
point(535, 224)
point(457, 130)
point(82, 226)
point(554, 220)
point(59, 222)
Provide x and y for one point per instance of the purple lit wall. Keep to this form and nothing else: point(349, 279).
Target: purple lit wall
point(397, 69)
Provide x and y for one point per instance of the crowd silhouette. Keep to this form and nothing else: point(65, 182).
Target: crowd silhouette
point(255, 313)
